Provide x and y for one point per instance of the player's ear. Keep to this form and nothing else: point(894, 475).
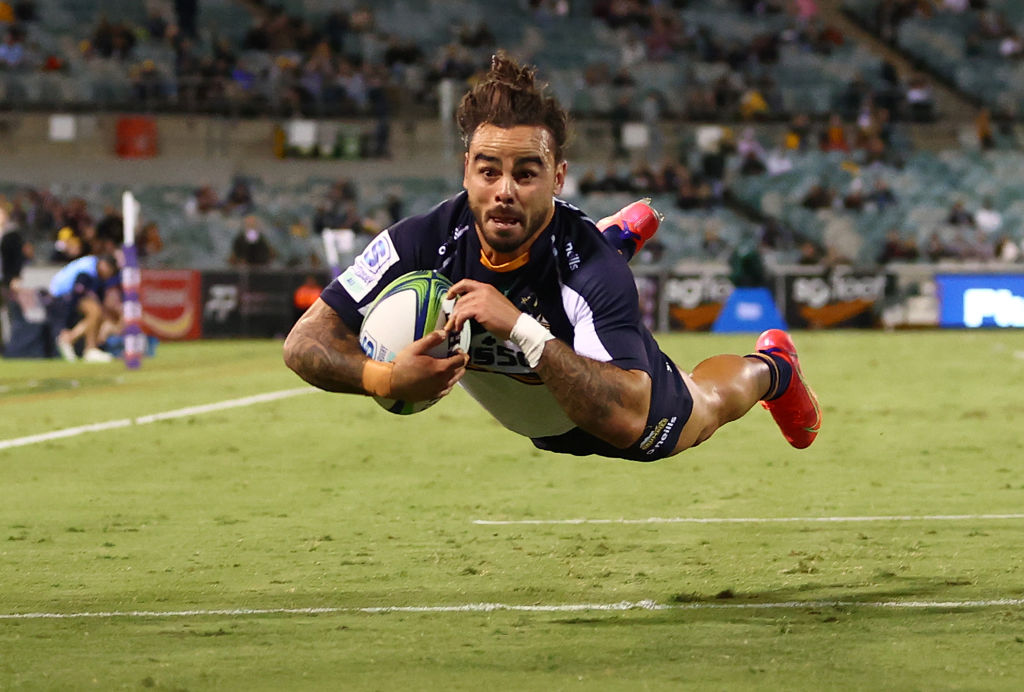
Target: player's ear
point(465, 170)
point(560, 170)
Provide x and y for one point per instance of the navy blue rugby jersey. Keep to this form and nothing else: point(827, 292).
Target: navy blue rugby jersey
point(575, 283)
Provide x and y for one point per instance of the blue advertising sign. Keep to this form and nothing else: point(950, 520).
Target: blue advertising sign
point(980, 300)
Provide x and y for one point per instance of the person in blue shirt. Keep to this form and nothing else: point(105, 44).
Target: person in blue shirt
point(85, 304)
point(559, 351)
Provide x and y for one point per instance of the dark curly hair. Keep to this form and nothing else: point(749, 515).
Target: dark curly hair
point(508, 95)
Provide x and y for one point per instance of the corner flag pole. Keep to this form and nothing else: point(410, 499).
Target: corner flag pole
point(134, 339)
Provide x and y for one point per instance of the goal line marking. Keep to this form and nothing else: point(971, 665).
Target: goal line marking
point(152, 418)
point(747, 520)
point(621, 606)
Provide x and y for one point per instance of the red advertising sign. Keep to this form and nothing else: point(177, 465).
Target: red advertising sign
point(170, 304)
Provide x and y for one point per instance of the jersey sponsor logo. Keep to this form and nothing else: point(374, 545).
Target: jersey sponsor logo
point(572, 257)
point(368, 268)
point(653, 441)
point(487, 354)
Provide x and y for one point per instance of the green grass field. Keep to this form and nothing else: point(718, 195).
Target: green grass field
point(320, 501)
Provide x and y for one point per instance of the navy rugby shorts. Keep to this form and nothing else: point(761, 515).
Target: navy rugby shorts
point(671, 405)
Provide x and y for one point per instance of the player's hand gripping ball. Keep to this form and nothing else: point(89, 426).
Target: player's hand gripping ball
point(412, 305)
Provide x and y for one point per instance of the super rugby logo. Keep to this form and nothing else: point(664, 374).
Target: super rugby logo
point(369, 266)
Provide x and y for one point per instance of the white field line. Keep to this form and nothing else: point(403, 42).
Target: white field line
point(528, 608)
point(166, 415)
point(747, 520)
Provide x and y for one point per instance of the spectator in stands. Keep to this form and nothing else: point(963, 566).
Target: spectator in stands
point(959, 216)
point(818, 197)
point(983, 129)
point(12, 50)
point(15, 252)
point(936, 249)
point(810, 253)
point(854, 200)
point(1006, 250)
point(987, 218)
point(82, 307)
point(239, 197)
point(920, 101)
point(897, 248)
point(250, 247)
point(751, 153)
point(798, 132)
point(148, 243)
point(203, 200)
point(882, 195)
point(833, 137)
point(113, 40)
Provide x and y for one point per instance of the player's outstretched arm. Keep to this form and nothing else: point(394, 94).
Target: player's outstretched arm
point(323, 351)
point(605, 400)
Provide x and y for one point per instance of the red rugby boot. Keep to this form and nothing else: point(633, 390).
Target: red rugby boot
point(796, 410)
point(632, 226)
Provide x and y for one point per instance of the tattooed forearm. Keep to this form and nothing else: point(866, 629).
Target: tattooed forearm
point(324, 352)
point(588, 390)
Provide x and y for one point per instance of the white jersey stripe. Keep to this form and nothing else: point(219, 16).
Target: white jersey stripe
point(586, 342)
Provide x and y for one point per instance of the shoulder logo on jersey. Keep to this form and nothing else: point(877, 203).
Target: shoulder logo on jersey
point(456, 234)
point(369, 266)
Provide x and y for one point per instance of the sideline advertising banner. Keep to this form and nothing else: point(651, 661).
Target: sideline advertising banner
point(170, 304)
point(980, 300)
point(836, 298)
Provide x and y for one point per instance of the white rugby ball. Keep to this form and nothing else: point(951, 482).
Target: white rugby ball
point(412, 305)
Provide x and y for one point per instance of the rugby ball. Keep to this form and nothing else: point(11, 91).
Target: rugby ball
point(412, 305)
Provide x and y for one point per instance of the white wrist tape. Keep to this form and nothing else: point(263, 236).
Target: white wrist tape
point(530, 335)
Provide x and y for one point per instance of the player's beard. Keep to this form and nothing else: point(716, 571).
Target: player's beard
point(507, 240)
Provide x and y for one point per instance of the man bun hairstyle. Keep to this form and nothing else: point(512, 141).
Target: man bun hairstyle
point(508, 95)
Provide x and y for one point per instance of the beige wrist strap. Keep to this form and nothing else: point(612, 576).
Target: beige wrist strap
point(377, 378)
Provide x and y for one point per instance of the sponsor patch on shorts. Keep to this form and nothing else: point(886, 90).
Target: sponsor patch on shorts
point(368, 268)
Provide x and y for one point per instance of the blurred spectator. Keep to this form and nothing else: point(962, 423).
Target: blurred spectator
point(920, 101)
point(897, 248)
point(12, 50)
point(833, 137)
point(113, 40)
point(959, 216)
point(810, 253)
point(936, 249)
point(882, 195)
point(988, 219)
point(148, 243)
point(983, 129)
point(818, 197)
point(239, 197)
point(1006, 250)
point(751, 153)
point(203, 200)
point(15, 251)
point(250, 247)
point(854, 198)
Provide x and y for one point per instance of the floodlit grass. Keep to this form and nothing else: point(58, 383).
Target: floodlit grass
point(327, 501)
